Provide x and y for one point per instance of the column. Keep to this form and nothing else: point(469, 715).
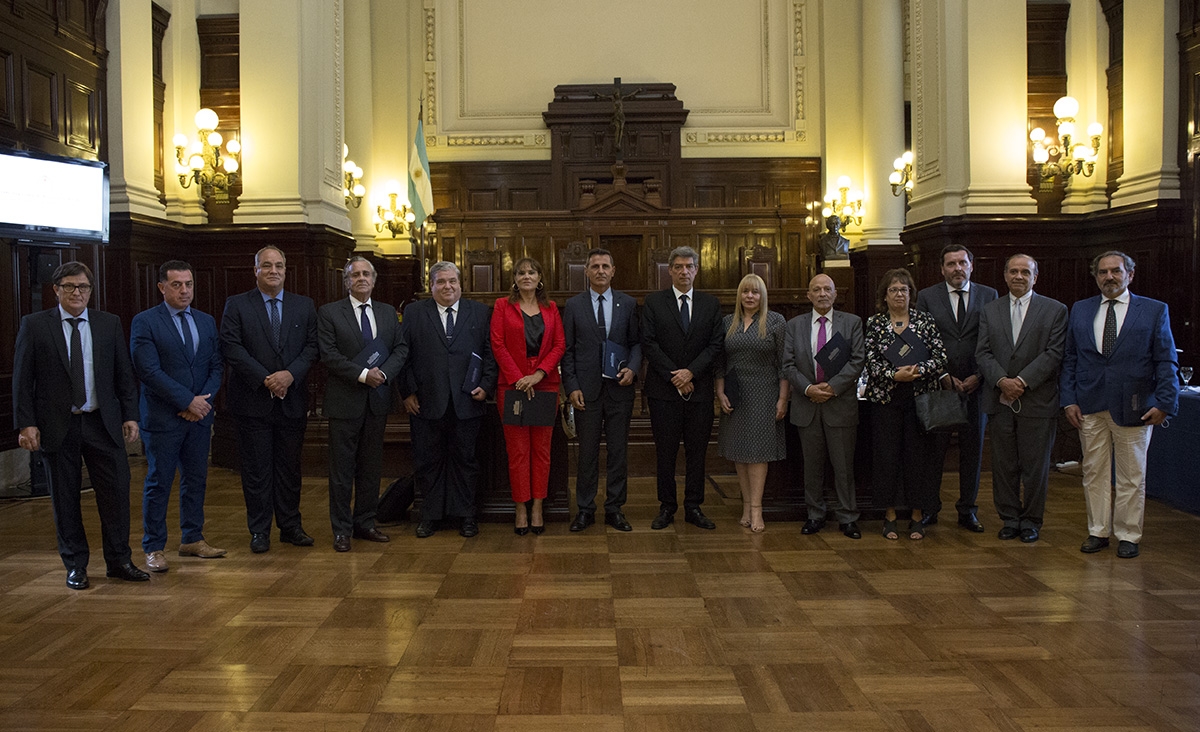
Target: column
point(181, 69)
point(360, 110)
point(883, 119)
point(841, 100)
point(131, 109)
point(1151, 104)
point(292, 113)
point(1087, 58)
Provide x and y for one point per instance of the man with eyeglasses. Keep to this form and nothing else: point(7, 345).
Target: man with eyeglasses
point(1021, 342)
point(177, 358)
point(681, 339)
point(76, 401)
point(269, 340)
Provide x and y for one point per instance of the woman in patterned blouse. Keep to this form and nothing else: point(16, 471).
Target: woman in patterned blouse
point(903, 474)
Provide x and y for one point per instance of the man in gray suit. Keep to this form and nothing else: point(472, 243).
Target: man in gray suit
point(1021, 342)
point(603, 404)
point(955, 306)
point(825, 406)
point(360, 344)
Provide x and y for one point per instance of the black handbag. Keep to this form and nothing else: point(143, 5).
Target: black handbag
point(941, 411)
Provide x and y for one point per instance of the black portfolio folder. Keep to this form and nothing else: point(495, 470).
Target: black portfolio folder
point(616, 357)
point(906, 350)
point(834, 356)
point(522, 411)
point(474, 373)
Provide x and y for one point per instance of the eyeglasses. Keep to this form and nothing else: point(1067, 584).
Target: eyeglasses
point(70, 288)
point(897, 290)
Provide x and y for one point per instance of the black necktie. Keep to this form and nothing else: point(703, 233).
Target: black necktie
point(368, 336)
point(684, 315)
point(600, 318)
point(276, 325)
point(1110, 329)
point(962, 307)
point(78, 387)
point(449, 323)
point(188, 343)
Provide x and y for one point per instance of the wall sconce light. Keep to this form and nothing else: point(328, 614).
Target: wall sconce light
point(1068, 158)
point(352, 187)
point(395, 219)
point(201, 162)
point(846, 204)
point(902, 177)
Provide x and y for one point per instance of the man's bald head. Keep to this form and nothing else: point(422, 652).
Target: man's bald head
point(821, 293)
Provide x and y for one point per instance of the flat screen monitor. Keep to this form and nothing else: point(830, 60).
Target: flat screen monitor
point(51, 198)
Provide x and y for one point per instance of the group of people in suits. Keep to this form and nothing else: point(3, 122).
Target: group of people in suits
point(1015, 360)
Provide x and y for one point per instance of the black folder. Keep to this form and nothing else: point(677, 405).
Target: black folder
point(522, 411)
point(474, 373)
point(372, 356)
point(733, 388)
point(616, 357)
point(907, 349)
point(834, 356)
point(1137, 396)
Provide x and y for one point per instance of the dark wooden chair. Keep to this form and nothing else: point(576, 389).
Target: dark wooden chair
point(572, 268)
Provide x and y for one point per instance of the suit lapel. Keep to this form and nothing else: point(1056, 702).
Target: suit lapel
point(264, 320)
point(1133, 311)
point(54, 322)
point(1029, 322)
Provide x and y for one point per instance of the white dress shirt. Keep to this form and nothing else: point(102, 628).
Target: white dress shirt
point(1121, 308)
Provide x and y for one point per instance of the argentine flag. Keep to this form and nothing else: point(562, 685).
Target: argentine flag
point(420, 190)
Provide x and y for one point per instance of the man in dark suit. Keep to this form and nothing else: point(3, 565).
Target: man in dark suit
point(681, 338)
point(449, 374)
point(955, 306)
point(1021, 342)
point(75, 398)
point(825, 406)
point(1119, 378)
point(603, 405)
point(177, 358)
point(360, 345)
point(269, 340)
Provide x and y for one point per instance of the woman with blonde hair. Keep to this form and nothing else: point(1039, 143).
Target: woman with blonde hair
point(753, 394)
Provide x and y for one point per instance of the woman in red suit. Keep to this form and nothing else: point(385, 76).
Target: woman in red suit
point(527, 341)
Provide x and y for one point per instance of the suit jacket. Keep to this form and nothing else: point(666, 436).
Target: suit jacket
point(508, 344)
point(801, 373)
point(1035, 357)
point(1144, 351)
point(582, 367)
point(339, 340)
point(170, 375)
point(250, 351)
point(960, 340)
point(437, 368)
point(42, 378)
point(668, 348)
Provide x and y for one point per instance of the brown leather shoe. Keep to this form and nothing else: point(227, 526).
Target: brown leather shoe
point(371, 534)
point(156, 562)
point(341, 543)
point(201, 549)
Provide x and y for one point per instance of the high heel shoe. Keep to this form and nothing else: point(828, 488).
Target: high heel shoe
point(537, 529)
point(521, 530)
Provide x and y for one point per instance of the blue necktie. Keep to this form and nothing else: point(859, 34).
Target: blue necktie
point(188, 343)
point(368, 336)
point(449, 323)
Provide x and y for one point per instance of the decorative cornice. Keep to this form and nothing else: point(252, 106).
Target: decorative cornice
point(430, 65)
point(333, 167)
point(701, 138)
point(799, 60)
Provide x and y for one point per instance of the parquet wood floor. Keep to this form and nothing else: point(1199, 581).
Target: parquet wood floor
point(677, 630)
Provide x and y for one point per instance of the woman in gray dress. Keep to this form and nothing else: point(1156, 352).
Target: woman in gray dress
point(753, 394)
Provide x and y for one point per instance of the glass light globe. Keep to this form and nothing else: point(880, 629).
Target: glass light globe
point(1066, 108)
point(230, 165)
point(215, 139)
point(206, 119)
point(180, 140)
point(410, 216)
point(907, 157)
point(360, 190)
point(1037, 134)
point(843, 181)
point(358, 172)
point(196, 162)
point(345, 151)
point(195, 147)
point(895, 177)
point(1066, 129)
point(1040, 155)
point(898, 163)
point(389, 215)
point(234, 147)
point(1081, 152)
point(826, 212)
point(1095, 129)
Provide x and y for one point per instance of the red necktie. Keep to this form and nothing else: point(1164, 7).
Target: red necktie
point(821, 344)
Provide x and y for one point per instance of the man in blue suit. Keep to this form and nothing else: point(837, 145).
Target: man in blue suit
point(603, 404)
point(1119, 378)
point(177, 358)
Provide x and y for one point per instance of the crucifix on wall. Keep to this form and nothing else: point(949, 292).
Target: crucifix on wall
point(618, 116)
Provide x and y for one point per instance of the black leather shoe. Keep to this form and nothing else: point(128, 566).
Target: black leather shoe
point(341, 543)
point(127, 572)
point(1127, 549)
point(1028, 536)
point(295, 537)
point(371, 534)
point(616, 519)
point(1093, 544)
point(1008, 532)
point(970, 522)
point(851, 530)
point(664, 519)
point(929, 519)
point(520, 530)
point(470, 527)
point(260, 543)
point(426, 529)
point(696, 517)
point(583, 519)
point(812, 526)
point(77, 579)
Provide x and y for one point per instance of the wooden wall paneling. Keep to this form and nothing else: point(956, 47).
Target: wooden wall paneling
point(1046, 73)
point(40, 86)
point(82, 117)
point(1114, 15)
point(8, 95)
point(160, 19)
point(220, 90)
